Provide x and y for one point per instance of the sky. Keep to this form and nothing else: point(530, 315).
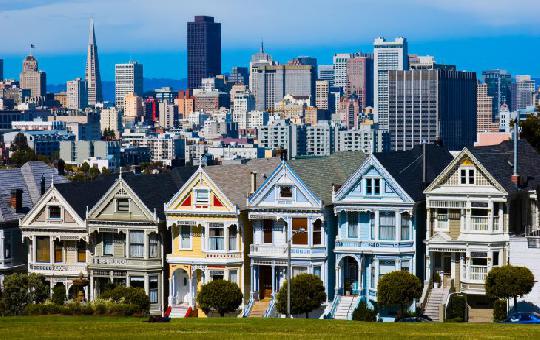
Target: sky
point(473, 34)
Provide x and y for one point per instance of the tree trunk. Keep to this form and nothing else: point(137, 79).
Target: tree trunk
point(515, 303)
point(222, 313)
point(307, 315)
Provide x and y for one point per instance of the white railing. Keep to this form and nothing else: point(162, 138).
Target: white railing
point(281, 250)
point(477, 273)
point(479, 223)
point(226, 255)
point(496, 223)
point(58, 267)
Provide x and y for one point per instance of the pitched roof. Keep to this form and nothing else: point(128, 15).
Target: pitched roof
point(406, 167)
point(321, 173)
point(499, 161)
point(234, 180)
point(28, 178)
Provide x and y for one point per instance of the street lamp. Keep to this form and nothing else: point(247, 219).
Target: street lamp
point(299, 231)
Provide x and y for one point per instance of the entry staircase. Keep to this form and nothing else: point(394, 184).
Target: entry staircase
point(179, 311)
point(344, 307)
point(436, 297)
point(259, 308)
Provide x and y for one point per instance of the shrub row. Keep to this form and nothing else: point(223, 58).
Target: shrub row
point(76, 308)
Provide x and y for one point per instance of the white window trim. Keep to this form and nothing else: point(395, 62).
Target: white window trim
point(116, 205)
point(467, 176)
point(49, 218)
point(180, 237)
point(199, 189)
point(279, 192)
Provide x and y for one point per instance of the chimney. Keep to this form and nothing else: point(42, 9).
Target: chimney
point(16, 199)
point(253, 182)
point(515, 175)
point(42, 185)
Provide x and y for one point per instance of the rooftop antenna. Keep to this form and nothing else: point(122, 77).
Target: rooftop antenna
point(120, 175)
point(32, 46)
point(262, 45)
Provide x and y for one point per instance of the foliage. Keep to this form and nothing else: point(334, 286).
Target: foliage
point(85, 167)
point(456, 309)
point(499, 310)
point(59, 294)
point(509, 281)
point(77, 308)
point(105, 171)
point(108, 134)
point(436, 277)
point(220, 296)
point(398, 288)
point(61, 165)
point(93, 172)
point(364, 313)
point(130, 296)
point(307, 294)
point(21, 289)
point(530, 130)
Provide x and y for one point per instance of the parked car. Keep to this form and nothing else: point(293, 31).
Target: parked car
point(523, 318)
point(419, 318)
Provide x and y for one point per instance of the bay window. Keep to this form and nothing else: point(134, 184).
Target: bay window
point(136, 244)
point(153, 245)
point(387, 225)
point(267, 231)
point(43, 249)
point(233, 237)
point(216, 236)
point(108, 244)
point(405, 226)
point(352, 223)
point(58, 252)
point(153, 289)
point(185, 237)
point(299, 228)
point(317, 232)
point(81, 251)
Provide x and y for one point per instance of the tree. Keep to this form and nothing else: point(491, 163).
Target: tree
point(59, 294)
point(21, 289)
point(109, 134)
point(85, 167)
point(93, 172)
point(220, 296)
point(105, 171)
point(20, 151)
point(307, 294)
point(61, 167)
point(509, 281)
point(530, 130)
point(398, 288)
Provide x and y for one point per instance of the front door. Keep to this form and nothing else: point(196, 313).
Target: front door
point(447, 264)
point(181, 286)
point(265, 282)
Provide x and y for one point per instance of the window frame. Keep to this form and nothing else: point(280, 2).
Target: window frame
point(280, 191)
point(181, 238)
point(49, 208)
point(467, 175)
point(120, 200)
point(196, 196)
point(139, 244)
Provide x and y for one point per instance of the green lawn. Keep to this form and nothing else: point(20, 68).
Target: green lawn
point(233, 328)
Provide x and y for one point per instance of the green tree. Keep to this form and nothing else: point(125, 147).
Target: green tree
point(398, 288)
point(509, 282)
point(129, 295)
point(220, 296)
point(307, 294)
point(59, 294)
point(530, 130)
point(21, 289)
point(105, 171)
point(85, 167)
point(364, 313)
point(93, 172)
point(61, 167)
point(109, 134)
point(20, 151)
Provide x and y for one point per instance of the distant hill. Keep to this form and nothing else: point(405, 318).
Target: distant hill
point(108, 86)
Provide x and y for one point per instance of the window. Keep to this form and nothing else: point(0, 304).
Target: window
point(372, 277)
point(298, 270)
point(369, 186)
point(136, 281)
point(373, 186)
point(405, 229)
point(299, 229)
point(153, 289)
point(233, 276)
point(386, 267)
point(108, 244)
point(233, 237)
point(285, 191)
point(55, 213)
point(317, 271)
point(405, 266)
point(153, 245)
point(467, 176)
point(185, 237)
point(58, 252)
point(81, 251)
point(372, 225)
point(317, 232)
point(43, 249)
point(352, 222)
point(217, 236)
point(7, 244)
point(136, 243)
point(217, 275)
point(202, 196)
point(267, 231)
point(387, 225)
point(495, 258)
point(122, 205)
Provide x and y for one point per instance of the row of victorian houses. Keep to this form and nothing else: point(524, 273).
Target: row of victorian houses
point(350, 218)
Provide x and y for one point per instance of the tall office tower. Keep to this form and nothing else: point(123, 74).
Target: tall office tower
point(1, 69)
point(93, 77)
point(431, 105)
point(204, 50)
point(303, 60)
point(322, 94)
point(360, 80)
point(326, 72)
point(484, 112)
point(340, 69)
point(128, 79)
point(76, 94)
point(499, 84)
point(522, 92)
point(239, 75)
point(31, 78)
point(260, 58)
point(272, 82)
point(387, 56)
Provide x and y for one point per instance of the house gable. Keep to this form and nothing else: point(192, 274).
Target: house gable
point(284, 189)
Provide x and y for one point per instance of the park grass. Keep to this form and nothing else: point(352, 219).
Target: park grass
point(75, 327)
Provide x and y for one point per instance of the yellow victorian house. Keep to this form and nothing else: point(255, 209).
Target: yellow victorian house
point(210, 230)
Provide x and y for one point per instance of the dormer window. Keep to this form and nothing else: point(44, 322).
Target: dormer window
point(202, 196)
point(122, 205)
point(467, 176)
point(285, 191)
point(55, 213)
point(373, 186)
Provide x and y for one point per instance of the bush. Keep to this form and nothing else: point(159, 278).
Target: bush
point(499, 310)
point(456, 309)
point(59, 294)
point(509, 282)
point(45, 309)
point(123, 309)
point(100, 308)
point(398, 288)
point(130, 296)
point(364, 313)
point(307, 294)
point(22, 289)
point(220, 296)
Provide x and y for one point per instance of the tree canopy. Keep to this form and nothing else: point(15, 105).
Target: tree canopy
point(307, 294)
point(398, 288)
point(509, 281)
point(220, 296)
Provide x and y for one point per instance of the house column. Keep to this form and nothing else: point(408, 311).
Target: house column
point(429, 225)
point(273, 277)
point(453, 266)
point(491, 214)
point(51, 249)
point(206, 235)
point(428, 264)
point(146, 244)
point(226, 245)
point(146, 284)
point(171, 289)
point(397, 222)
point(126, 243)
point(310, 231)
point(252, 278)
point(91, 290)
point(500, 216)
point(376, 224)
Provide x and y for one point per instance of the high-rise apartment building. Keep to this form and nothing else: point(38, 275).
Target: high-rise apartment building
point(326, 72)
point(431, 106)
point(360, 79)
point(111, 119)
point(133, 109)
point(484, 111)
point(322, 94)
point(168, 115)
point(76, 94)
point(499, 84)
point(204, 50)
point(340, 61)
point(93, 77)
point(128, 79)
point(387, 56)
point(31, 78)
point(186, 103)
point(522, 92)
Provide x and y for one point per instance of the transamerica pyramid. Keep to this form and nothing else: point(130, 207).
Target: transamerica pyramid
point(93, 77)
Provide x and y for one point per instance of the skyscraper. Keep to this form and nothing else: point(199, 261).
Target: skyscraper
point(93, 78)
point(484, 111)
point(360, 79)
point(204, 49)
point(76, 94)
point(326, 72)
point(499, 84)
point(31, 78)
point(128, 79)
point(429, 106)
point(340, 69)
point(522, 92)
point(387, 55)
point(322, 94)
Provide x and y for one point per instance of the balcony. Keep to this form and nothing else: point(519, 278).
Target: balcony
point(475, 273)
point(67, 269)
point(479, 223)
point(373, 244)
point(223, 255)
point(280, 251)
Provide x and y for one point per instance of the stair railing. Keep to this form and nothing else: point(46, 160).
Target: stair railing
point(270, 311)
point(333, 307)
point(248, 307)
point(353, 308)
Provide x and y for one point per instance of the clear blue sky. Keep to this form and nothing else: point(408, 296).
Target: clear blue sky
point(474, 34)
